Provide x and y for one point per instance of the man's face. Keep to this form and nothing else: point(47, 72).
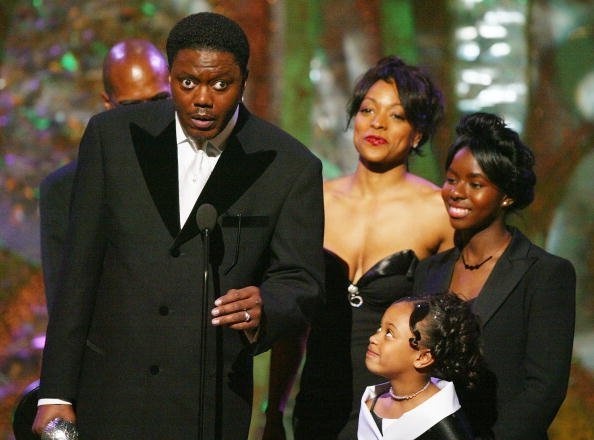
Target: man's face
point(207, 87)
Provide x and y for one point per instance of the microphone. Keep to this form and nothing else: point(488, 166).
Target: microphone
point(206, 218)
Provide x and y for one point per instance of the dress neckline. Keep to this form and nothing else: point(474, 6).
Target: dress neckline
point(403, 261)
point(457, 252)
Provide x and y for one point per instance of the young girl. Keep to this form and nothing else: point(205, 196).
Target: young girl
point(422, 347)
point(523, 296)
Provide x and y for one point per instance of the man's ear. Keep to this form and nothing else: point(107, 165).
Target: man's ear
point(107, 104)
point(424, 359)
point(244, 83)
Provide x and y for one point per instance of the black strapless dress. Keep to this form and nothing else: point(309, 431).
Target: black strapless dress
point(334, 375)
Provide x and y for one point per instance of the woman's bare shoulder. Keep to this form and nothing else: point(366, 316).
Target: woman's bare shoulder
point(430, 210)
point(421, 182)
point(337, 188)
point(338, 183)
point(423, 189)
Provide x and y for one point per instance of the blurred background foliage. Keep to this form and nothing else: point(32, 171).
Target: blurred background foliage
point(528, 60)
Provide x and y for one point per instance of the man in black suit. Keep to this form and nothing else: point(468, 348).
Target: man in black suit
point(134, 70)
point(123, 341)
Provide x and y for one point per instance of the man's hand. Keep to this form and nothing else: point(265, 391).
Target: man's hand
point(47, 413)
point(239, 309)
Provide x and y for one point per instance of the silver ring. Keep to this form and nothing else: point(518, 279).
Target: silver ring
point(248, 317)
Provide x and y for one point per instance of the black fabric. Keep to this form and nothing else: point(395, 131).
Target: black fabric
point(157, 157)
point(377, 419)
point(527, 312)
point(453, 427)
point(334, 375)
point(54, 210)
point(24, 413)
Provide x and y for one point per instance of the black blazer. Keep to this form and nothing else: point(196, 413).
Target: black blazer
point(123, 336)
point(54, 209)
point(453, 427)
point(527, 312)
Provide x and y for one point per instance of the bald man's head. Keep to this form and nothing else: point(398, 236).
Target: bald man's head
point(134, 70)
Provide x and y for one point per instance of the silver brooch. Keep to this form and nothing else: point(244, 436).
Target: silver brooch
point(354, 298)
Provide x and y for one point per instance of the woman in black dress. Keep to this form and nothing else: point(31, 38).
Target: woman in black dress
point(379, 222)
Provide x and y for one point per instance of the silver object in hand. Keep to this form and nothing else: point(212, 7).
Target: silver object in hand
point(59, 429)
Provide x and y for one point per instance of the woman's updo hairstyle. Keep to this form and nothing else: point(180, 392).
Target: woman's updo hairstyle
point(446, 326)
point(505, 159)
point(421, 99)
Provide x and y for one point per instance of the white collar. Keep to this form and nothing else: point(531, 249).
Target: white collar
point(413, 423)
point(217, 143)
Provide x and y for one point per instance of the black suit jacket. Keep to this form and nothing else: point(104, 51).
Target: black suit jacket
point(124, 332)
point(527, 312)
point(54, 209)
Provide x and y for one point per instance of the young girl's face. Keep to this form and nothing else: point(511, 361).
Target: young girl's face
point(471, 199)
point(389, 352)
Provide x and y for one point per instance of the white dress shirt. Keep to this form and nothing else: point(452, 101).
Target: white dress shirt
point(194, 166)
point(196, 162)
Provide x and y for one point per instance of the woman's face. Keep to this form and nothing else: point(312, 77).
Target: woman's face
point(471, 199)
point(383, 136)
point(389, 352)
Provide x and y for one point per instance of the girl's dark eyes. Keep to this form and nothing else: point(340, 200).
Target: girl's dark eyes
point(453, 181)
point(388, 332)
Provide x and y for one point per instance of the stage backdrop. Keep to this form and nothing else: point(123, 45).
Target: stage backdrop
point(530, 61)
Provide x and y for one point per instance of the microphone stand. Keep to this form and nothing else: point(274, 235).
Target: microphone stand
point(204, 329)
point(206, 218)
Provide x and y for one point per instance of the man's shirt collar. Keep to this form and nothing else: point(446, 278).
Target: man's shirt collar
point(214, 146)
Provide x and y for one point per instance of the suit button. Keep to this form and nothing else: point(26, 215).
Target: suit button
point(163, 310)
point(174, 252)
point(154, 370)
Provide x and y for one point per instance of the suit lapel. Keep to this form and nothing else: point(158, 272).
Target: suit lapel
point(157, 156)
point(235, 172)
point(439, 274)
point(506, 274)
